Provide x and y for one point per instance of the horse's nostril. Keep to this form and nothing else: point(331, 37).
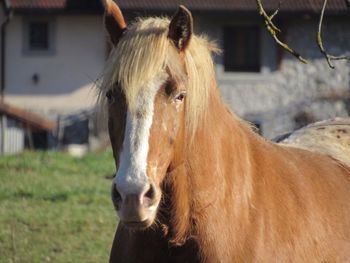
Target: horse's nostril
point(116, 197)
point(151, 192)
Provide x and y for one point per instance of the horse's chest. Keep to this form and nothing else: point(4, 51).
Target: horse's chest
point(188, 253)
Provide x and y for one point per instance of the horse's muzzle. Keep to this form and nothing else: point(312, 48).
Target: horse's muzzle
point(135, 210)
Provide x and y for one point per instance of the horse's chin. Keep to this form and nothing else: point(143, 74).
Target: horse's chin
point(136, 215)
point(139, 219)
point(138, 225)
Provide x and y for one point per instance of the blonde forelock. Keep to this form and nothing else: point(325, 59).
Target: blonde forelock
point(145, 51)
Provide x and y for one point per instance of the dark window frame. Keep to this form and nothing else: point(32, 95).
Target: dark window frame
point(47, 48)
point(246, 56)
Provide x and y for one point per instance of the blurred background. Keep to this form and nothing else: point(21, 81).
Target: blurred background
point(55, 163)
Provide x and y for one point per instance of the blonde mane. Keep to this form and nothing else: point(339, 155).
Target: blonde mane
point(145, 51)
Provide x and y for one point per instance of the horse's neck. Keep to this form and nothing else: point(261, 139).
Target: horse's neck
point(220, 159)
point(217, 170)
point(222, 174)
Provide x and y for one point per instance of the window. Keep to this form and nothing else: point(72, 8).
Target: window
point(242, 48)
point(38, 36)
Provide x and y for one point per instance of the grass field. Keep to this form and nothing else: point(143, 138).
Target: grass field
point(56, 208)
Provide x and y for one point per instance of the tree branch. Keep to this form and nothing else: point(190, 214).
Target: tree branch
point(278, 9)
point(274, 30)
point(319, 41)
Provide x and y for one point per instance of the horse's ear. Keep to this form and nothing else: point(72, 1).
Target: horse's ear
point(114, 21)
point(181, 27)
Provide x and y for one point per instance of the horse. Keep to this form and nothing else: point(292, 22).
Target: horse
point(194, 182)
point(331, 137)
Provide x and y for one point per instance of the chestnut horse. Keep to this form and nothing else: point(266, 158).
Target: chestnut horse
point(194, 182)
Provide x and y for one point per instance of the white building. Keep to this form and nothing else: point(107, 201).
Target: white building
point(54, 52)
point(56, 49)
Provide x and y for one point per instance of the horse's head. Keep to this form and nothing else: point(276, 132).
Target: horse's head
point(146, 84)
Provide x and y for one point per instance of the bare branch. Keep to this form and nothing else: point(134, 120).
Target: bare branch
point(319, 41)
point(266, 17)
point(277, 10)
point(273, 30)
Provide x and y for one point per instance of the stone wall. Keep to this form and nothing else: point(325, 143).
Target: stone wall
point(293, 94)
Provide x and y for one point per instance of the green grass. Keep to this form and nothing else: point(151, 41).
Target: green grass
point(56, 208)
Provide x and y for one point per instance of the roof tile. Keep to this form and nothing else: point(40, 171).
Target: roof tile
point(24, 4)
point(65, 5)
point(195, 5)
point(233, 5)
point(29, 119)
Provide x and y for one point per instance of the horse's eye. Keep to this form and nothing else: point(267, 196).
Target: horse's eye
point(180, 96)
point(109, 96)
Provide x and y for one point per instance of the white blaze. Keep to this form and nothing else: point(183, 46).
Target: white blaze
point(132, 177)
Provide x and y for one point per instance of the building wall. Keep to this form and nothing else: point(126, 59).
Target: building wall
point(2, 19)
point(283, 94)
point(66, 75)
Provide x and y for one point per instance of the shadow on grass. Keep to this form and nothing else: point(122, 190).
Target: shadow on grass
point(23, 195)
point(56, 198)
point(60, 197)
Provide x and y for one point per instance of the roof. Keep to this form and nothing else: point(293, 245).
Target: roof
point(334, 6)
point(94, 6)
point(38, 4)
point(235, 5)
point(28, 119)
